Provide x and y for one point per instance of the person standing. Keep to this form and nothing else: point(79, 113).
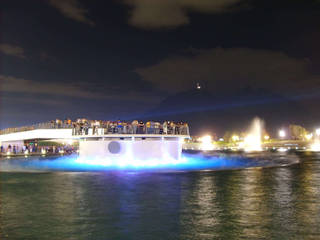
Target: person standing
point(165, 127)
point(134, 126)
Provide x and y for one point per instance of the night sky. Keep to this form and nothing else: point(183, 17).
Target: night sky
point(126, 59)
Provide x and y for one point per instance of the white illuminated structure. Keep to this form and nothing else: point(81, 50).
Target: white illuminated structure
point(18, 138)
point(109, 146)
point(127, 146)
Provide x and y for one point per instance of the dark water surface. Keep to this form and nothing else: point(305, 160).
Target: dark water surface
point(281, 202)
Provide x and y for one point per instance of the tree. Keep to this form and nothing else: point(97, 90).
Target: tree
point(227, 136)
point(297, 132)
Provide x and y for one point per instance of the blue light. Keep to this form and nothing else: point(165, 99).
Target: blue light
point(188, 162)
point(73, 163)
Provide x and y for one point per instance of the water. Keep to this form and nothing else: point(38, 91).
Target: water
point(252, 141)
point(265, 197)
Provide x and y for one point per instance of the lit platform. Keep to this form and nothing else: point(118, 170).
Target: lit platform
point(138, 146)
point(129, 146)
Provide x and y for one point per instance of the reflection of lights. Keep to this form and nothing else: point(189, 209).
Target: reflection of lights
point(206, 143)
point(266, 137)
point(8, 153)
point(309, 136)
point(26, 152)
point(282, 133)
point(130, 162)
point(221, 139)
point(235, 138)
point(282, 149)
point(61, 151)
point(43, 151)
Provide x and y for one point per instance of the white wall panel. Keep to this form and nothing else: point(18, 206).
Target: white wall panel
point(138, 149)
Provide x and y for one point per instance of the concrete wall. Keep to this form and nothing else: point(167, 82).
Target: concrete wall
point(137, 149)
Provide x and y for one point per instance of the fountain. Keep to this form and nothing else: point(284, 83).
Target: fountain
point(252, 142)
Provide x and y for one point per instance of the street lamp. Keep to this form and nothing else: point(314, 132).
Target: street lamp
point(235, 138)
point(309, 136)
point(282, 133)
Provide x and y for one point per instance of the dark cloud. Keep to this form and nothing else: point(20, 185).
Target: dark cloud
point(20, 85)
point(151, 14)
point(84, 90)
point(72, 9)
point(230, 70)
point(12, 50)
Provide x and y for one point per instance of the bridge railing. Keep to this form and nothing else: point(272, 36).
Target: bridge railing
point(81, 129)
point(46, 125)
point(91, 131)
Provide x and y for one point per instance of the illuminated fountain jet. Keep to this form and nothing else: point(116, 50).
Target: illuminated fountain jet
point(206, 143)
point(315, 146)
point(252, 142)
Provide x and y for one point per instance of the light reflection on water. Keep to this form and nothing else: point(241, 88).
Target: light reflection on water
point(246, 203)
point(186, 163)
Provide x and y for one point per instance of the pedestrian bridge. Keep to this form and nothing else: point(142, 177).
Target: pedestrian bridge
point(37, 134)
point(48, 134)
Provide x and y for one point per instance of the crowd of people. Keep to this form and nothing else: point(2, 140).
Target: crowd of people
point(87, 127)
point(98, 127)
point(26, 148)
point(94, 127)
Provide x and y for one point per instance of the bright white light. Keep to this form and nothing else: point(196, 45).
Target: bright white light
point(282, 149)
point(206, 143)
point(252, 143)
point(309, 136)
point(8, 153)
point(131, 162)
point(266, 137)
point(26, 152)
point(235, 138)
point(37, 134)
point(315, 147)
point(61, 151)
point(282, 133)
point(318, 132)
point(43, 151)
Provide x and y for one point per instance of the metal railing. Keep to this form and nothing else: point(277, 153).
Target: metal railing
point(105, 128)
point(96, 131)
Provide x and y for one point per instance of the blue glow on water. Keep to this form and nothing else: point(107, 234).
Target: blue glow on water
point(188, 162)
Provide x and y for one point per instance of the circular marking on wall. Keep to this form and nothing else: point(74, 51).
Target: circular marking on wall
point(114, 147)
